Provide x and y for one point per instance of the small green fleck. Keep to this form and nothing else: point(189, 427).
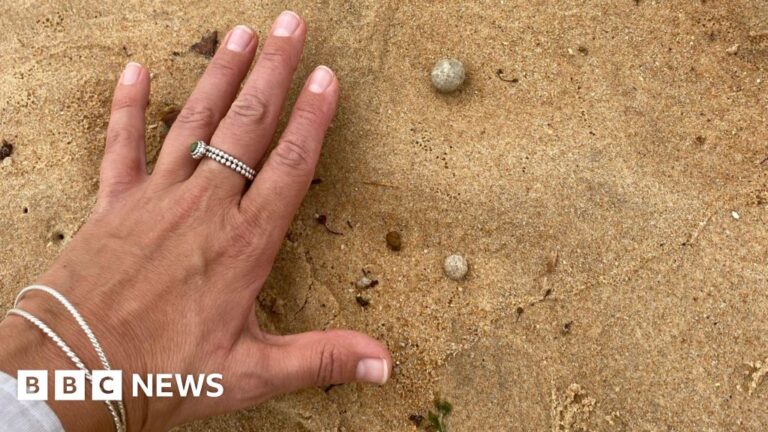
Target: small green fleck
point(437, 420)
point(443, 407)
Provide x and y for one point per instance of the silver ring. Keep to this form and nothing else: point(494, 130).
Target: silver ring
point(200, 149)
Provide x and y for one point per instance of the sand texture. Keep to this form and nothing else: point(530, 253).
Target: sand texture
point(603, 170)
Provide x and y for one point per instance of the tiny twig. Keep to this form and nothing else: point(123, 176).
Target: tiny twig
point(500, 72)
point(323, 220)
point(695, 234)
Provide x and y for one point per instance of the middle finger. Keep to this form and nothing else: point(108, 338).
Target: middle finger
point(247, 129)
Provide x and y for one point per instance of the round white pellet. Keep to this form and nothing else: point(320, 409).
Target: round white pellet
point(455, 267)
point(448, 75)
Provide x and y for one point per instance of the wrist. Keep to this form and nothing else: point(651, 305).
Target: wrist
point(110, 325)
point(26, 347)
point(32, 349)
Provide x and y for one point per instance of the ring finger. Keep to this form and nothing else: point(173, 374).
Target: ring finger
point(247, 129)
point(207, 104)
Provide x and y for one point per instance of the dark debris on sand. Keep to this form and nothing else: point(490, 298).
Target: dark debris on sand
point(394, 241)
point(322, 219)
point(6, 150)
point(169, 116)
point(207, 45)
point(362, 301)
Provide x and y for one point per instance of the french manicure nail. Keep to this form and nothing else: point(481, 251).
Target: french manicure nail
point(130, 73)
point(240, 38)
point(286, 24)
point(372, 370)
point(320, 79)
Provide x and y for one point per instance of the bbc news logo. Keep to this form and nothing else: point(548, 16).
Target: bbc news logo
point(107, 385)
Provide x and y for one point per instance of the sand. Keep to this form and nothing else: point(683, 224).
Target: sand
point(611, 288)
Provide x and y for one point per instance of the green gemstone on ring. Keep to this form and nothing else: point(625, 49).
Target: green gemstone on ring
point(193, 147)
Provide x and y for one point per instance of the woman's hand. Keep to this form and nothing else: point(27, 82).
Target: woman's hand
point(167, 268)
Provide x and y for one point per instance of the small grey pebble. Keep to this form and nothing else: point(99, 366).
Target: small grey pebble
point(455, 267)
point(364, 282)
point(448, 75)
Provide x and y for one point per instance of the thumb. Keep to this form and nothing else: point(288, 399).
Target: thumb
point(320, 358)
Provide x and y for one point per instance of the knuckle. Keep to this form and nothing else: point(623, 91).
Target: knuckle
point(222, 68)
point(198, 116)
point(308, 114)
point(198, 196)
point(326, 369)
point(243, 233)
point(122, 135)
point(250, 107)
point(256, 216)
point(123, 101)
point(277, 57)
point(188, 204)
point(114, 184)
point(293, 154)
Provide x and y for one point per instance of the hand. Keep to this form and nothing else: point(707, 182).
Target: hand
point(167, 268)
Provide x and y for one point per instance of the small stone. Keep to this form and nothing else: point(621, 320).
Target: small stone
point(362, 301)
point(762, 197)
point(363, 282)
point(6, 150)
point(733, 49)
point(416, 419)
point(567, 327)
point(394, 241)
point(366, 282)
point(448, 75)
point(455, 267)
point(735, 215)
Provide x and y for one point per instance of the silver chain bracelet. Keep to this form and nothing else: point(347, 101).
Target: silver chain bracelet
point(116, 408)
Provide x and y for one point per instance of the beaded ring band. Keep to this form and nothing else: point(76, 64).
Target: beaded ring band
point(200, 149)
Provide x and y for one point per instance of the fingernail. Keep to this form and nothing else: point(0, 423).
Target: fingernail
point(320, 79)
point(373, 370)
point(239, 39)
point(286, 24)
point(130, 73)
